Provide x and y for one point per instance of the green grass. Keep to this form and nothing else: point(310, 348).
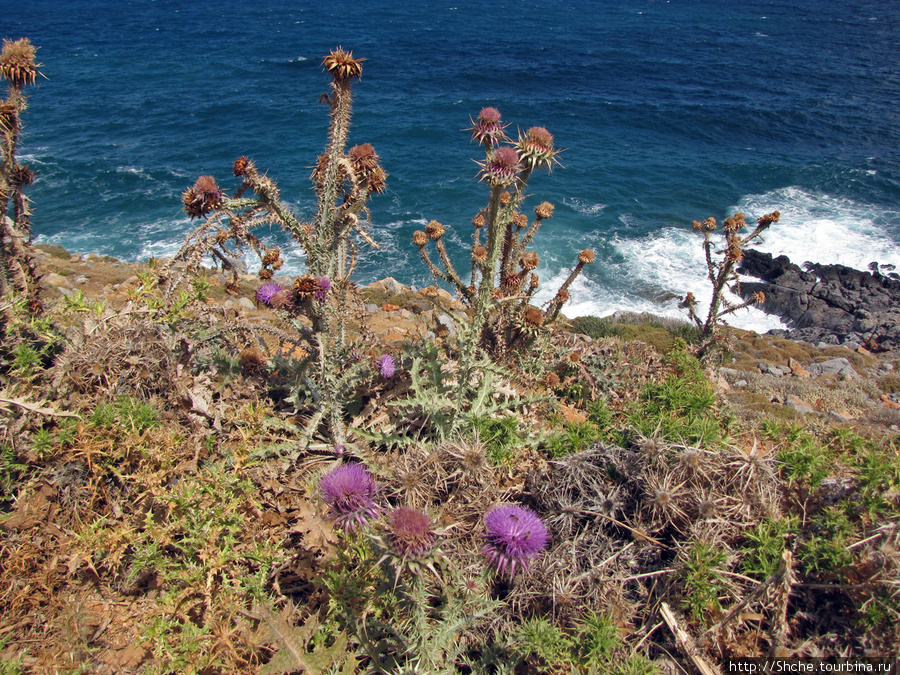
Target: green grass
point(764, 544)
point(701, 573)
point(501, 436)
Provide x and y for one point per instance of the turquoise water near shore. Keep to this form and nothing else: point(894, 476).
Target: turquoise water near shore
point(669, 112)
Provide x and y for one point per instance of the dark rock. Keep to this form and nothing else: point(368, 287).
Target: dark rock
point(828, 303)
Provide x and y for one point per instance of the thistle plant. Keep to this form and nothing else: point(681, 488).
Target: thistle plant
point(17, 266)
point(351, 495)
point(502, 282)
point(515, 535)
point(721, 273)
point(318, 303)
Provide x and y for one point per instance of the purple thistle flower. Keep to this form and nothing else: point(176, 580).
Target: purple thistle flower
point(268, 291)
point(324, 286)
point(349, 490)
point(411, 532)
point(385, 366)
point(515, 535)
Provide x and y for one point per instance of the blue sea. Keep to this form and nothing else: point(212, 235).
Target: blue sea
point(668, 111)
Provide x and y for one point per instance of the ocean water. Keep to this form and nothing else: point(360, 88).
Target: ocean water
point(668, 111)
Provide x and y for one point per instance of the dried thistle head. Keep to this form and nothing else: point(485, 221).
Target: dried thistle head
point(529, 260)
point(505, 198)
point(586, 256)
point(470, 458)
point(488, 129)
point(562, 295)
point(544, 210)
point(21, 176)
point(377, 180)
point(363, 158)
point(252, 360)
point(420, 238)
point(203, 197)
point(766, 220)
point(478, 221)
point(759, 297)
point(479, 253)
point(435, 230)
point(17, 62)
point(342, 66)
point(240, 166)
point(306, 286)
point(9, 116)
point(552, 380)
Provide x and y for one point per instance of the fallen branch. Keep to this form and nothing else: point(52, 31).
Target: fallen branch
point(33, 407)
point(686, 643)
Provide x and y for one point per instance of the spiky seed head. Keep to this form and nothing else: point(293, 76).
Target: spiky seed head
point(501, 167)
point(536, 148)
point(265, 274)
point(252, 360)
point(662, 498)
point(479, 253)
point(9, 116)
point(363, 157)
point(706, 508)
point(240, 165)
point(529, 260)
point(478, 221)
point(21, 176)
point(305, 286)
point(17, 62)
point(552, 380)
point(271, 255)
point(203, 197)
point(350, 493)
point(544, 210)
point(488, 129)
point(377, 180)
point(533, 317)
point(411, 533)
point(759, 297)
point(734, 253)
point(435, 230)
point(575, 357)
point(342, 66)
point(691, 459)
point(708, 225)
point(586, 256)
point(768, 219)
point(420, 238)
point(505, 198)
point(521, 220)
point(515, 536)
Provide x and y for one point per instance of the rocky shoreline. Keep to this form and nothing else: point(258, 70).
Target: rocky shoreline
point(829, 304)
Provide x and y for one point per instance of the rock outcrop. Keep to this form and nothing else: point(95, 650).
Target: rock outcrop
point(827, 303)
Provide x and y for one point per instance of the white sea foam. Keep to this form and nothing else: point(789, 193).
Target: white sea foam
point(658, 269)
